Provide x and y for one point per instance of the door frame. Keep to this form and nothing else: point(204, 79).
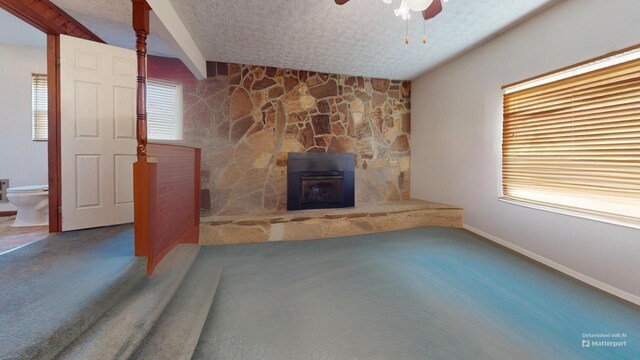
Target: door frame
point(53, 21)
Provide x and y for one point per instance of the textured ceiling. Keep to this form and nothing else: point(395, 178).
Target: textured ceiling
point(362, 37)
point(111, 21)
point(17, 32)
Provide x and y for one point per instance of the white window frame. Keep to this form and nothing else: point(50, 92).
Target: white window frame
point(574, 71)
point(172, 123)
point(39, 124)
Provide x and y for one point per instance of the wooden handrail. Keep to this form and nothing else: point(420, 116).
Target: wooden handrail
point(166, 176)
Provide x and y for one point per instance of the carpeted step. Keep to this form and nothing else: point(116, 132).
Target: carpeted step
point(178, 330)
point(121, 330)
point(53, 290)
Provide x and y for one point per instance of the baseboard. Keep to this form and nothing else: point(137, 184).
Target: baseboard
point(558, 267)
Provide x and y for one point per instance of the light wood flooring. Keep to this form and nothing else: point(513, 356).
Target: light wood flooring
point(12, 238)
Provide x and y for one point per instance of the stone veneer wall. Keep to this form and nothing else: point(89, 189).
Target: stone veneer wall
point(247, 118)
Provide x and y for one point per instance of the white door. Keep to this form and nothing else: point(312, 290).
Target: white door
point(98, 134)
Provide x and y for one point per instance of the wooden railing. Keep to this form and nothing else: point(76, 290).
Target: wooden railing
point(167, 200)
point(166, 178)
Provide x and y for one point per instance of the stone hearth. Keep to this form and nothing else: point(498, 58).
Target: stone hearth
point(317, 224)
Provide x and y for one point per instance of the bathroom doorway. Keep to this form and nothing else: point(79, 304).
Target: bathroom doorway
point(24, 175)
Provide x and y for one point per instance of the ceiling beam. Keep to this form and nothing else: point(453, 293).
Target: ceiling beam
point(48, 18)
point(188, 51)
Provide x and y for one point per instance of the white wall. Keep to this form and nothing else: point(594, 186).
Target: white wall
point(22, 160)
point(456, 138)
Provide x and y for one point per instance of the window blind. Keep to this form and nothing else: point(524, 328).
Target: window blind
point(39, 107)
point(572, 139)
point(164, 110)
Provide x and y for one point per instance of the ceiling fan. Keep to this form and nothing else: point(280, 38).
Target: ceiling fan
point(429, 9)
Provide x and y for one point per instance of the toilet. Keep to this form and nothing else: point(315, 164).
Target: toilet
point(32, 203)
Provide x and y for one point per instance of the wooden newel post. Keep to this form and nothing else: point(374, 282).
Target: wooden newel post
point(143, 171)
point(141, 27)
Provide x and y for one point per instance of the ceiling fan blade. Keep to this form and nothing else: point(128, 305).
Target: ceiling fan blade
point(341, 2)
point(433, 9)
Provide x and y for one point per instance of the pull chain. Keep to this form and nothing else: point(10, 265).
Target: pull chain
point(407, 39)
point(424, 31)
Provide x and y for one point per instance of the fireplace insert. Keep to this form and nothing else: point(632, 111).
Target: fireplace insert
point(320, 180)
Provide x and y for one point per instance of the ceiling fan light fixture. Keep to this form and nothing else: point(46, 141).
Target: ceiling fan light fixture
point(427, 8)
point(403, 11)
point(418, 5)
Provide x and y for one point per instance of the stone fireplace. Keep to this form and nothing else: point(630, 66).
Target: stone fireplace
point(320, 180)
point(247, 119)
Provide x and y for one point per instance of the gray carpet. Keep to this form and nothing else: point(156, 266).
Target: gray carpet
point(118, 333)
point(175, 335)
point(429, 293)
point(52, 290)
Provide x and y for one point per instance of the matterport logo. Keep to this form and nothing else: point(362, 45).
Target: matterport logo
point(606, 340)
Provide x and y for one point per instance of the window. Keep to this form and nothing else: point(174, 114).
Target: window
point(164, 110)
point(571, 139)
point(39, 107)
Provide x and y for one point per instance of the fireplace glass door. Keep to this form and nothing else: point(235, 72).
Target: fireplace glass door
point(320, 180)
point(321, 188)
